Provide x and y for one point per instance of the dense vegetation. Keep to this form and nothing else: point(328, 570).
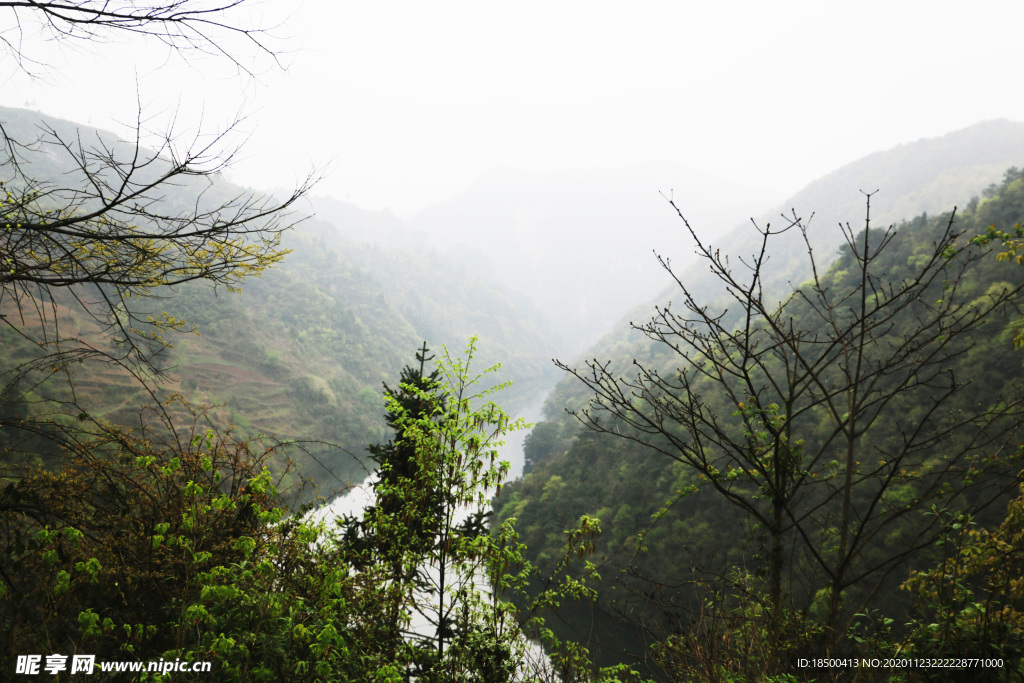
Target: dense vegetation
point(178, 535)
point(137, 524)
point(823, 476)
point(298, 353)
point(719, 473)
point(140, 550)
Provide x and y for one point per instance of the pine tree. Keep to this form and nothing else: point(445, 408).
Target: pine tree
point(404, 491)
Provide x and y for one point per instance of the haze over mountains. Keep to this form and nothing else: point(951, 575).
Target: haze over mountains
point(930, 175)
point(269, 351)
point(538, 265)
point(670, 530)
point(577, 244)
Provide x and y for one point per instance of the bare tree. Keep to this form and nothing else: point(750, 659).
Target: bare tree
point(832, 420)
point(116, 230)
point(186, 27)
point(103, 225)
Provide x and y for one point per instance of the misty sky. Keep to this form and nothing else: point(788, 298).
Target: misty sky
point(407, 102)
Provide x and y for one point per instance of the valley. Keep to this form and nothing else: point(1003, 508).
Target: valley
point(559, 266)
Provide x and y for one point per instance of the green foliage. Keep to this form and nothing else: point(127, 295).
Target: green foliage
point(425, 531)
point(731, 640)
point(970, 603)
point(671, 532)
point(138, 550)
point(106, 555)
point(426, 534)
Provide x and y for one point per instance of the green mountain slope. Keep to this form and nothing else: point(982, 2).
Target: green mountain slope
point(703, 536)
point(301, 352)
point(927, 176)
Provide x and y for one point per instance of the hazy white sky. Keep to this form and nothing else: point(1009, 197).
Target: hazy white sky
point(408, 102)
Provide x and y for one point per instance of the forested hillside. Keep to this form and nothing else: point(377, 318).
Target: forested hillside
point(766, 482)
point(927, 176)
point(793, 478)
point(151, 507)
point(299, 353)
point(262, 436)
point(302, 352)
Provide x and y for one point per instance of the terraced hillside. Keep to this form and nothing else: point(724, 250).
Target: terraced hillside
point(300, 353)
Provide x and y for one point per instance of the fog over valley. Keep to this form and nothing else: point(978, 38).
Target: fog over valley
point(543, 342)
